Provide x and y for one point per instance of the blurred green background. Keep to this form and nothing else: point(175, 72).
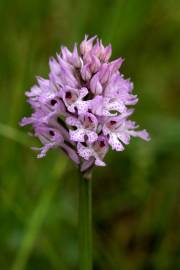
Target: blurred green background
point(136, 198)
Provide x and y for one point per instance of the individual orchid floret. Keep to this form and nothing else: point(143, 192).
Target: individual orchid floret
point(95, 85)
point(50, 138)
point(75, 59)
point(71, 58)
point(105, 106)
point(86, 45)
point(121, 89)
point(82, 108)
point(85, 126)
point(97, 150)
point(74, 99)
point(106, 53)
point(86, 72)
point(120, 130)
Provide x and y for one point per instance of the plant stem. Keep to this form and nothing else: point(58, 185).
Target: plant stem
point(85, 223)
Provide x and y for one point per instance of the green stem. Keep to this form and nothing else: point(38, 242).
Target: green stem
point(85, 223)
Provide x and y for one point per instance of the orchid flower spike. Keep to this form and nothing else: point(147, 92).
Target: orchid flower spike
point(83, 106)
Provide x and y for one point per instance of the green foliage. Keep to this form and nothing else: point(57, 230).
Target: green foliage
point(136, 197)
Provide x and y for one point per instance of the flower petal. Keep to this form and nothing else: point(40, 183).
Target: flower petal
point(115, 143)
point(77, 135)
